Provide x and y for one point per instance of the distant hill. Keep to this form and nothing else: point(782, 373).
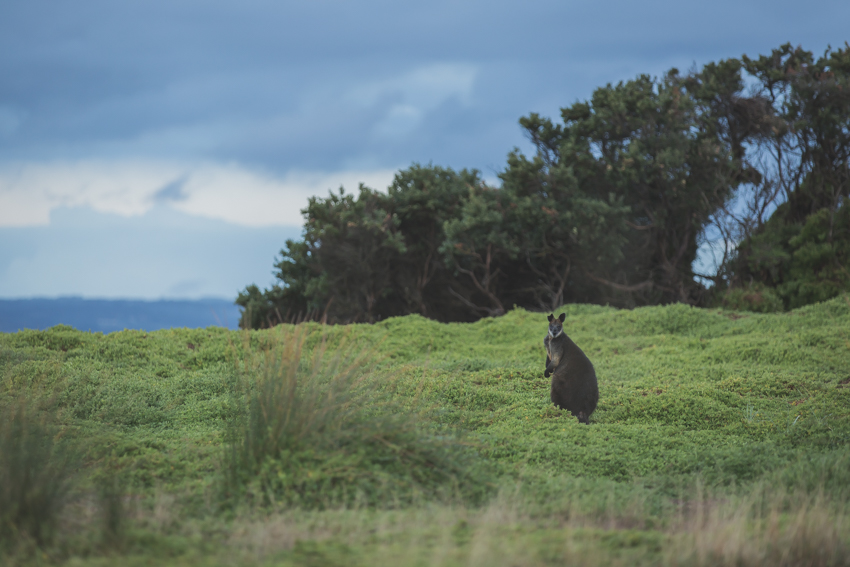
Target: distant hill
point(107, 315)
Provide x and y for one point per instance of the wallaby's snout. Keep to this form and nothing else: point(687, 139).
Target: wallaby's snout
point(556, 326)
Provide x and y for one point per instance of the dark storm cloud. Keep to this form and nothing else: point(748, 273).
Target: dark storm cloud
point(275, 84)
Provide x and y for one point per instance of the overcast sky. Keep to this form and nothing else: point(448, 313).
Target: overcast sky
point(164, 148)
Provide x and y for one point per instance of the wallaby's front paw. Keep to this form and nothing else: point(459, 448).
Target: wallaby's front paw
point(546, 374)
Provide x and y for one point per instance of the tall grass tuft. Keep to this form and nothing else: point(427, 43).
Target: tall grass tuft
point(315, 430)
point(766, 527)
point(113, 514)
point(35, 476)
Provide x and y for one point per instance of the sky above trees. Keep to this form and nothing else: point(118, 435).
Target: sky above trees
point(165, 148)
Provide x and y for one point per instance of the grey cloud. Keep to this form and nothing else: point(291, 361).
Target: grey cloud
point(271, 83)
point(172, 192)
point(320, 85)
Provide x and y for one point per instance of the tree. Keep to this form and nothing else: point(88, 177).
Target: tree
point(564, 230)
point(424, 199)
point(480, 241)
point(612, 207)
point(663, 154)
point(368, 256)
point(801, 250)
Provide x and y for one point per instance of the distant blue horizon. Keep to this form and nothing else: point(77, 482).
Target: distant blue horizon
point(110, 315)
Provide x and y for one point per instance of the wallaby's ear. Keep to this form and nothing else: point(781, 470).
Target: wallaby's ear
point(561, 317)
point(550, 317)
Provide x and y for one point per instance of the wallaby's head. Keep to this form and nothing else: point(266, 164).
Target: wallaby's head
point(556, 326)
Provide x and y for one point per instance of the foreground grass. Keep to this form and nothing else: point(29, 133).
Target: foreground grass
point(720, 438)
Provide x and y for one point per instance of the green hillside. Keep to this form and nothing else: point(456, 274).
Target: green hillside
point(720, 438)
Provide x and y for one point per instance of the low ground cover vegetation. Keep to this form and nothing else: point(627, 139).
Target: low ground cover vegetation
point(721, 438)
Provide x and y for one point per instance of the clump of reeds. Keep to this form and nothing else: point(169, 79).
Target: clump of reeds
point(36, 468)
point(766, 527)
point(316, 429)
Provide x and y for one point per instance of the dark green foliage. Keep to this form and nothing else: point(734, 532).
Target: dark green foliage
point(527, 242)
point(370, 256)
point(653, 160)
point(425, 199)
point(810, 123)
point(261, 308)
point(611, 209)
point(800, 263)
point(802, 251)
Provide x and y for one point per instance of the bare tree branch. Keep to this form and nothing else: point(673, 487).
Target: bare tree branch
point(648, 284)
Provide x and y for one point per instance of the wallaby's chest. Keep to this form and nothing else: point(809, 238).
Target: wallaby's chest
point(556, 347)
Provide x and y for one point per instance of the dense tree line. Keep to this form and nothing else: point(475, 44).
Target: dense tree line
point(612, 207)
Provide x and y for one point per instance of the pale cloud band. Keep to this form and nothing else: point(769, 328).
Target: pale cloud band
point(30, 191)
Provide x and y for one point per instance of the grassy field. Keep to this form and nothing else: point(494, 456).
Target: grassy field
point(720, 438)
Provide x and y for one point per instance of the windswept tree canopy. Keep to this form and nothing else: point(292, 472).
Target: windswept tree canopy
point(612, 207)
point(802, 251)
point(369, 256)
point(665, 150)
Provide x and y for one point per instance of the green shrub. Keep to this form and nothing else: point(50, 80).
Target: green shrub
point(794, 263)
point(319, 432)
point(757, 298)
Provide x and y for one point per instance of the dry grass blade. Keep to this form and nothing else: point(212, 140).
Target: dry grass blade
point(765, 528)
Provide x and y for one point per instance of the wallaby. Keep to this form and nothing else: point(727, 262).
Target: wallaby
point(574, 385)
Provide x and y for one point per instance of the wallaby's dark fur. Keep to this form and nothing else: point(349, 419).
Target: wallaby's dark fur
point(574, 385)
